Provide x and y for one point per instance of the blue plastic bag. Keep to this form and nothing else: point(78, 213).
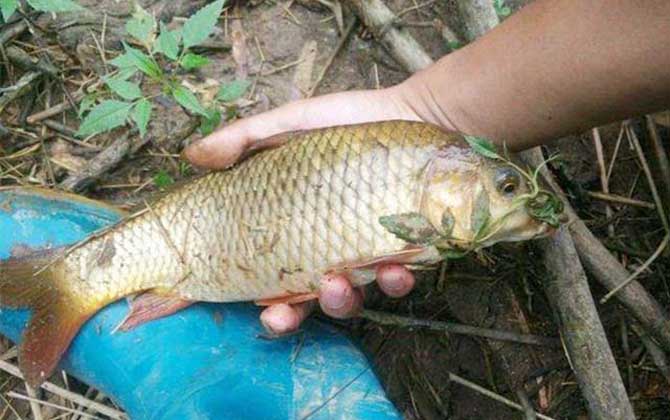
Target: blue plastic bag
point(208, 361)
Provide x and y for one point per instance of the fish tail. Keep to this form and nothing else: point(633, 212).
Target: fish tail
point(38, 282)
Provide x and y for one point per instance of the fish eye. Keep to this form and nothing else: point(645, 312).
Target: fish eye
point(507, 181)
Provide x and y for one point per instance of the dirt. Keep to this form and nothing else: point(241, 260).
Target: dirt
point(500, 288)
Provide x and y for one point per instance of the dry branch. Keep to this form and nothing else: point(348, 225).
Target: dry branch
point(584, 336)
point(608, 271)
point(478, 16)
point(380, 20)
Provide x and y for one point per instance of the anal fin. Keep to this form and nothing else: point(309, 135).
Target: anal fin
point(150, 306)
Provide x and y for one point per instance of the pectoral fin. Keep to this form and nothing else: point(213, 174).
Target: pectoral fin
point(290, 299)
point(150, 306)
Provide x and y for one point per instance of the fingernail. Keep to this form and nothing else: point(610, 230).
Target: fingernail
point(333, 295)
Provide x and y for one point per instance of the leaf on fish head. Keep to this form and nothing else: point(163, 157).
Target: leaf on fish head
point(448, 222)
point(482, 146)
point(410, 227)
point(546, 207)
point(481, 214)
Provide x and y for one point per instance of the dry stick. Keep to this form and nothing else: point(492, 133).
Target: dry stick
point(13, 31)
point(607, 270)
point(491, 394)
point(340, 44)
point(454, 328)
point(585, 340)
point(650, 177)
point(662, 159)
point(21, 87)
point(479, 17)
point(604, 183)
point(34, 406)
point(37, 402)
point(55, 110)
point(590, 354)
point(639, 271)
point(400, 44)
point(615, 198)
point(657, 354)
point(528, 410)
point(112, 155)
point(72, 396)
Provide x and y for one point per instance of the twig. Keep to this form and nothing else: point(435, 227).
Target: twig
point(36, 402)
point(604, 183)
point(56, 109)
point(400, 44)
point(614, 198)
point(454, 328)
point(102, 162)
point(656, 353)
point(34, 406)
point(650, 178)
point(64, 393)
point(13, 31)
point(661, 159)
point(338, 47)
point(525, 403)
point(582, 331)
point(21, 87)
point(473, 386)
point(25, 61)
point(608, 270)
point(637, 272)
point(478, 16)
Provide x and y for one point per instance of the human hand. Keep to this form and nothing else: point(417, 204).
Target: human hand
point(224, 147)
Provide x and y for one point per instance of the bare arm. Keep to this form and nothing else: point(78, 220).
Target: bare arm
point(556, 67)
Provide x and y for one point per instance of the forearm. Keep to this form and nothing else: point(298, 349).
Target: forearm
point(554, 68)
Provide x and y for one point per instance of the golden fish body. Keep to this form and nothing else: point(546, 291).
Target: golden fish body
point(272, 225)
point(327, 200)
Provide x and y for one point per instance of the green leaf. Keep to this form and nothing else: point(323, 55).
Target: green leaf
point(126, 73)
point(104, 117)
point(122, 61)
point(141, 114)
point(162, 179)
point(233, 91)
point(193, 61)
point(168, 43)
point(481, 213)
point(87, 103)
point(124, 89)
point(188, 100)
point(208, 124)
point(8, 7)
point(410, 227)
point(143, 62)
point(55, 5)
point(142, 26)
point(482, 146)
point(448, 223)
point(199, 26)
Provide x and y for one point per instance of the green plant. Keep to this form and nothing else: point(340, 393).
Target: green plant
point(8, 7)
point(502, 10)
point(415, 228)
point(160, 49)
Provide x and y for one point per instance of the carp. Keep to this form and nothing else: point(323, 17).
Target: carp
point(342, 199)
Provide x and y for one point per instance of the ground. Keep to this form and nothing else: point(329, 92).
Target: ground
point(501, 288)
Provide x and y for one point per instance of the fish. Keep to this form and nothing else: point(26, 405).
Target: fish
point(341, 199)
